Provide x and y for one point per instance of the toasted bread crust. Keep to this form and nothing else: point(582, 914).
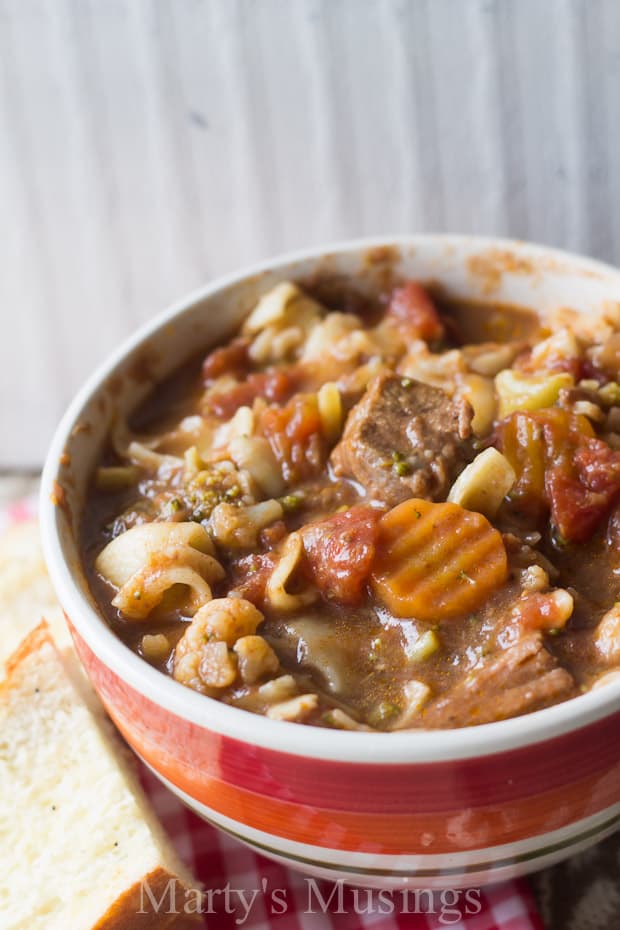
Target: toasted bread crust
point(37, 638)
point(134, 911)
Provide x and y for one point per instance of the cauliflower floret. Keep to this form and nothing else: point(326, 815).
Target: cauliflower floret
point(607, 636)
point(256, 658)
point(203, 659)
point(238, 527)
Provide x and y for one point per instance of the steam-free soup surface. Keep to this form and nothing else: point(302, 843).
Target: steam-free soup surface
point(387, 513)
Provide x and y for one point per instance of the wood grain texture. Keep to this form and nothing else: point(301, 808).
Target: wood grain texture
point(149, 145)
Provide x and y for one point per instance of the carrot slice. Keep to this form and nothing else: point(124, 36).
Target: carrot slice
point(436, 561)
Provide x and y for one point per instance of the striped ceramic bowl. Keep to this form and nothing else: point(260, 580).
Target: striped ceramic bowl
point(429, 809)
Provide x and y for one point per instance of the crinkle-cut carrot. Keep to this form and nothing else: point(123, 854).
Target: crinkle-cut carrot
point(436, 561)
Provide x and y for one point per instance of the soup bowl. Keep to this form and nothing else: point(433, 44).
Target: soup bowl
point(448, 808)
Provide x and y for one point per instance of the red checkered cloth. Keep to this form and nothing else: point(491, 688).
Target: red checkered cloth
point(243, 889)
point(278, 898)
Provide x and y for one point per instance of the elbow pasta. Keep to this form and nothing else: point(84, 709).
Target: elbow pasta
point(141, 455)
point(140, 452)
point(332, 336)
point(480, 394)
point(284, 305)
point(280, 323)
point(240, 426)
point(330, 411)
point(276, 593)
point(129, 552)
point(175, 565)
point(416, 694)
point(297, 708)
point(275, 345)
point(255, 455)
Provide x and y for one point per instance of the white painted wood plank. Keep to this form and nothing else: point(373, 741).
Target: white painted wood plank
point(148, 145)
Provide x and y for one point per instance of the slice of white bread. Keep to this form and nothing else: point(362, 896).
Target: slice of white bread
point(26, 592)
point(77, 835)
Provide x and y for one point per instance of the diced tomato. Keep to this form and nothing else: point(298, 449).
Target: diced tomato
point(575, 510)
point(582, 494)
point(582, 486)
point(272, 535)
point(294, 432)
point(534, 442)
point(540, 612)
point(339, 552)
point(562, 466)
point(412, 306)
point(276, 386)
point(231, 359)
point(574, 367)
point(598, 466)
point(250, 575)
point(581, 369)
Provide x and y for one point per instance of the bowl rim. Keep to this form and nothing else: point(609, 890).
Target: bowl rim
point(414, 746)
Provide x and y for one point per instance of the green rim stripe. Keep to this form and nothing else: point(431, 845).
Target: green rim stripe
point(423, 873)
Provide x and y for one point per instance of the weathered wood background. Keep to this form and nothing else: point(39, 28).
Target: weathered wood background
point(148, 146)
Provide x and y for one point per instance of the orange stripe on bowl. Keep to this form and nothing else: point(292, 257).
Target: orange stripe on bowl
point(419, 808)
point(412, 833)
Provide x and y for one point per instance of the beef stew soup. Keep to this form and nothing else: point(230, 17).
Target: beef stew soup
point(373, 515)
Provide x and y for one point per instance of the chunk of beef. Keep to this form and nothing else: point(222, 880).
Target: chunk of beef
point(523, 678)
point(404, 439)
